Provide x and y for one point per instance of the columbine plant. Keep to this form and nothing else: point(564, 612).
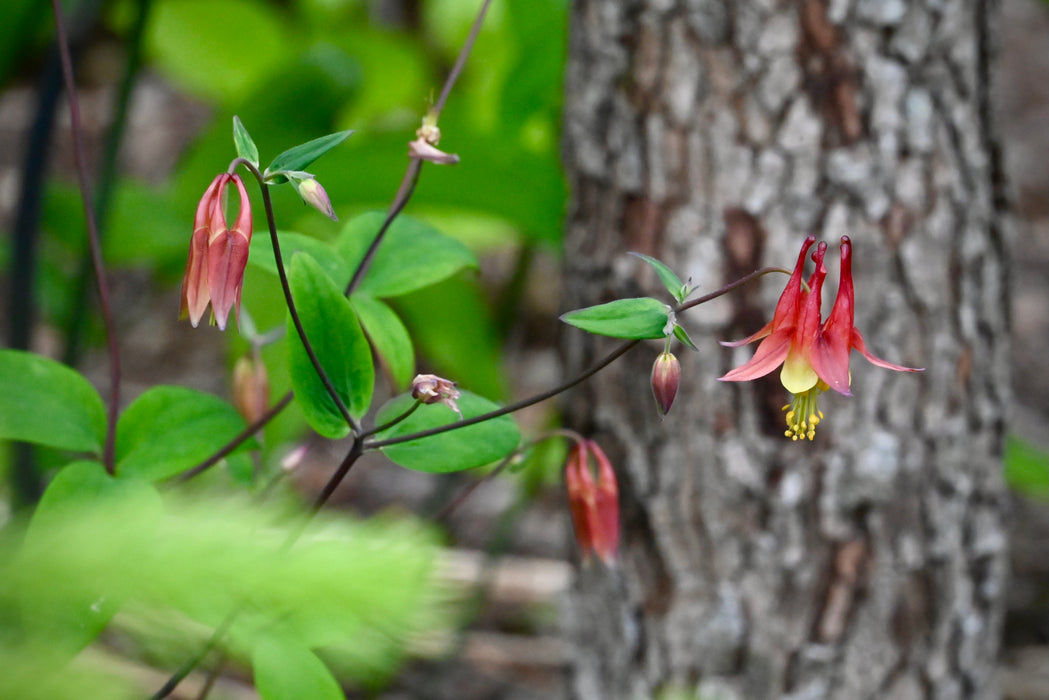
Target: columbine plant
point(338, 322)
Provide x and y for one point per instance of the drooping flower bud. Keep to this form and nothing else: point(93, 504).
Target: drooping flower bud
point(666, 375)
point(251, 389)
point(218, 255)
point(429, 388)
point(594, 503)
point(314, 194)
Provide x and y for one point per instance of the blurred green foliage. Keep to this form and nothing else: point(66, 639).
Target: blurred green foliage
point(360, 594)
point(1026, 468)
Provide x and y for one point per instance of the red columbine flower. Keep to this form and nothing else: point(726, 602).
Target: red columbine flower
point(217, 255)
point(594, 502)
point(814, 357)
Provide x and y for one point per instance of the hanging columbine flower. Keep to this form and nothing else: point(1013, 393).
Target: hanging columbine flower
point(814, 357)
point(217, 255)
point(594, 502)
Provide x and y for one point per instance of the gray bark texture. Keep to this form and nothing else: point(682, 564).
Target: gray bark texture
point(716, 134)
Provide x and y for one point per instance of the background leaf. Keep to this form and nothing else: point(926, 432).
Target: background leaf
point(389, 337)
point(285, 671)
point(339, 343)
point(47, 403)
point(412, 255)
point(260, 254)
point(169, 429)
point(455, 450)
point(639, 318)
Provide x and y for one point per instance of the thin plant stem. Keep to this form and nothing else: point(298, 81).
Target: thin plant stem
point(109, 450)
point(728, 288)
point(468, 491)
point(292, 310)
point(236, 442)
point(106, 179)
point(460, 62)
point(389, 424)
point(187, 668)
point(510, 408)
point(404, 193)
point(411, 175)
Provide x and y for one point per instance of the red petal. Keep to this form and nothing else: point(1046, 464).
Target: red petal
point(857, 342)
point(575, 483)
point(606, 507)
point(789, 301)
point(769, 355)
point(243, 226)
point(227, 258)
point(749, 339)
point(195, 282)
point(831, 364)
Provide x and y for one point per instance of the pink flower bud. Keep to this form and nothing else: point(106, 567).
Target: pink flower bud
point(429, 388)
point(315, 195)
point(666, 375)
point(594, 503)
point(251, 389)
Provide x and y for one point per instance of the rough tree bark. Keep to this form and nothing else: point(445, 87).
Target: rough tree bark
point(715, 134)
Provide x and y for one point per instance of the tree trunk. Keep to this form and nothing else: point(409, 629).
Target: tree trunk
point(716, 134)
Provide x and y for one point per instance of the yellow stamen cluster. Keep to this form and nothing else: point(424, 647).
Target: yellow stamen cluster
point(803, 413)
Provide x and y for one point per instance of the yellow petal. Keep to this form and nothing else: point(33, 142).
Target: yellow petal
point(797, 374)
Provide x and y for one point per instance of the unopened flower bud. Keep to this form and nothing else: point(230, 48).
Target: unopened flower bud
point(429, 388)
point(666, 375)
point(251, 389)
point(314, 194)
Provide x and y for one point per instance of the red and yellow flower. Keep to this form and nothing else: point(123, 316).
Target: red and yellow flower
point(814, 356)
point(218, 255)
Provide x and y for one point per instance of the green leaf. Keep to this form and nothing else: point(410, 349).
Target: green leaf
point(1026, 468)
point(670, 280)
point(288, 671)
point(412, 255)
point(337, 340)
point(213, 46)
point(81, 496)
point(638, 318)
point(682, 335)
point(260, 254)
point(301, 156)
point(47, 403)
point(170, 429)
point(389, 337)
point(454, 450)
point(246, 148)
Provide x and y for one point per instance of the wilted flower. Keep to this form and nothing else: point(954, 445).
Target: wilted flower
point(251, 388)
point(217, 255)
point(424, 147)
point(429, 388)
point(594, 503)
point(666, 375)
point(814, 357)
